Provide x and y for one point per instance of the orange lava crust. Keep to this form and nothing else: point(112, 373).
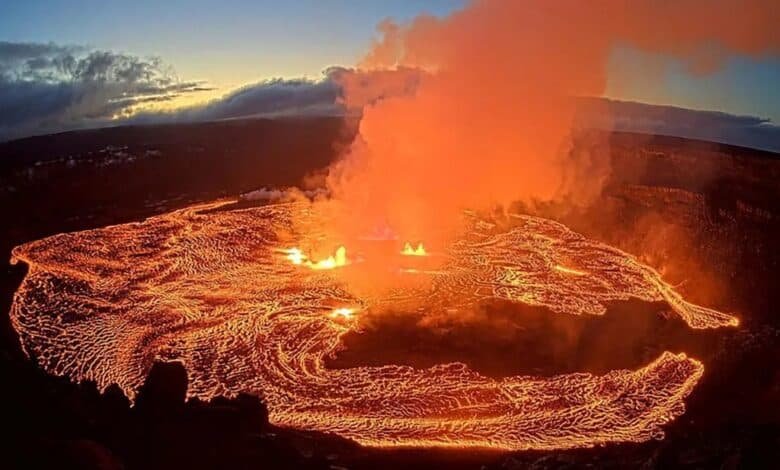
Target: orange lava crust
point(210, 289)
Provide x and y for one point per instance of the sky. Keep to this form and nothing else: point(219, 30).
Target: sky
point(217, 47)
point(230, 43)
point(227, 43)
point(742, 85)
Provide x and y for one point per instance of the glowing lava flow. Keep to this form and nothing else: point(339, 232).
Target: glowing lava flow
point(208, 288)
point(296, 256)
point(343, 313)
point(571, 271)
point(409, 251)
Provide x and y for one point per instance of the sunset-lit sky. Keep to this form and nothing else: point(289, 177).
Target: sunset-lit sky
point(230, 43)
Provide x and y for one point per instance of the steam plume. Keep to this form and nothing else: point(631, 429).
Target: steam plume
point(490, 118)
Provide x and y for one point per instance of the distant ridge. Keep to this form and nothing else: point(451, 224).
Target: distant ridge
point(710, 126)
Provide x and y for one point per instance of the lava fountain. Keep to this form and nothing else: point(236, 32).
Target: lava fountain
point(220, 291)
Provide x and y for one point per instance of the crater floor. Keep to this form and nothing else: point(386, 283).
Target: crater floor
point(211, 288)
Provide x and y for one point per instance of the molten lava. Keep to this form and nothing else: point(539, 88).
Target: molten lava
point(409, 251)
point(565, 270)
point(208, 288)
point(345, 313)
point(296, 256)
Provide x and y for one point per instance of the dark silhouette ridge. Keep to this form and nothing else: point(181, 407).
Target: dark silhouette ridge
point(165, 390)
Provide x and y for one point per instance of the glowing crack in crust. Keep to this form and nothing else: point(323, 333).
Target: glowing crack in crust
point(210, 288)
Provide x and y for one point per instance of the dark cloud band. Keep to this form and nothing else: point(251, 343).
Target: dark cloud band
point(49, 88)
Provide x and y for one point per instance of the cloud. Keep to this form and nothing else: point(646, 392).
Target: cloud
point(49, 88)
point(267, 98)
point(46, 87)
point(714, 126)
point(298, 97)
point(29, 60)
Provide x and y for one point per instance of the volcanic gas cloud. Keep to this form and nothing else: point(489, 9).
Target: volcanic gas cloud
point(489, 119)
point(254, 300)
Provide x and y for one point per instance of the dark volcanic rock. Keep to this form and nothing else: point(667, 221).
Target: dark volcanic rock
point(164, 391)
